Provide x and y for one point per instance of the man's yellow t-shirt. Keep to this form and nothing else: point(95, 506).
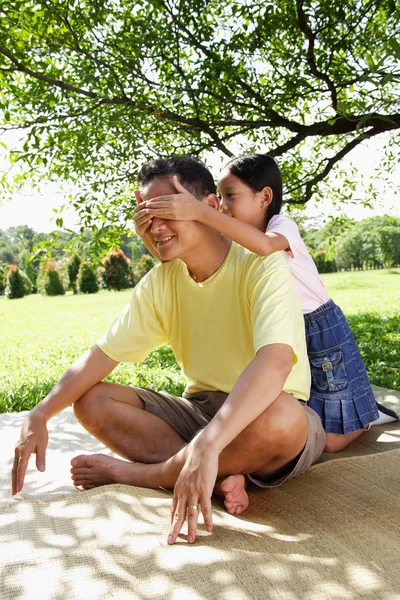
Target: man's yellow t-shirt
point(215, 327)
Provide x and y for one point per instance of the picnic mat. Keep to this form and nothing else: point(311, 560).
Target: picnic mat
point(331, 534)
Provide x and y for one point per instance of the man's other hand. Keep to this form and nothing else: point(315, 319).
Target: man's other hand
point(192, 493)
point(33, 440)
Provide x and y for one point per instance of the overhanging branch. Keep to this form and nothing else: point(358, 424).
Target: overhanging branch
point(331, 162)
point(61, 84)
point(310, 37)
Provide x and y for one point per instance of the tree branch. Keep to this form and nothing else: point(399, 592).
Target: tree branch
point(331, 162)
point(61, 84)
point(341, 125)
point(288, 124)
point(310, 37)
point(88, 55)
point(54, 118)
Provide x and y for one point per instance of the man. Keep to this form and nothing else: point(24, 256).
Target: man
point(235, 326)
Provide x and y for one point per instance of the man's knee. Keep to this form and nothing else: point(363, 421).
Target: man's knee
point(98, 404)
point(284, 421)
point(281, 429)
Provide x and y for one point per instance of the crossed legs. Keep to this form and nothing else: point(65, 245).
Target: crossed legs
point(115, 415)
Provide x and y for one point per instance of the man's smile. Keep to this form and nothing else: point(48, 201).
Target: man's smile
point(163, 241)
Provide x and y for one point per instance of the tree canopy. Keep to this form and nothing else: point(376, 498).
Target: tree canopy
point(101, 85)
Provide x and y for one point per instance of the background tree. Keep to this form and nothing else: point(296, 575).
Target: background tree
point(17, 245)
point(101, 85)
point(370, 243)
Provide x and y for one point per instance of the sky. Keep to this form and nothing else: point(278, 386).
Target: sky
point(36, 209)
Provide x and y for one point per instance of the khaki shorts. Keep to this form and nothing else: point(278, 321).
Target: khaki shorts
point(190, 414)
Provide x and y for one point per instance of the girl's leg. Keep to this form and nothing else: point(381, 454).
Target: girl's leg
point(337, 441)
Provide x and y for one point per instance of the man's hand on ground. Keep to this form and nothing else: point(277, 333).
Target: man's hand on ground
point(192, 493)
point(33, 440)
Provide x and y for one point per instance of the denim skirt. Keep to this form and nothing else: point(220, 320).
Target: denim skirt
point(340, 389)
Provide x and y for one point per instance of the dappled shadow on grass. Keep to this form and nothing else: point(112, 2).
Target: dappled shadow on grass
point(378, 338)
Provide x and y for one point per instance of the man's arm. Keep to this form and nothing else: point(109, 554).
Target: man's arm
point(83, 374)
point(258, 386)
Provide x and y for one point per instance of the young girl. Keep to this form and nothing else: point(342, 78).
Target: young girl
point(250, 190)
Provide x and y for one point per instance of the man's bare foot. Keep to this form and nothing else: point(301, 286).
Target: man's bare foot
point(234, 490)
point(91, 470)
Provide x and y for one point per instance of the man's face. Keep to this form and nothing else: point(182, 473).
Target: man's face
point(174, 239)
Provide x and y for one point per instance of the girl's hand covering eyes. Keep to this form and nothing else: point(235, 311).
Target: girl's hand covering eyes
point(182, 206)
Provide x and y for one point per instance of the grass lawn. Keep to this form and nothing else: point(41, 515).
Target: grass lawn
point(41, 336)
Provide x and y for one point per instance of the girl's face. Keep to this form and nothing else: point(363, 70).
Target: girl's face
point(238, 200)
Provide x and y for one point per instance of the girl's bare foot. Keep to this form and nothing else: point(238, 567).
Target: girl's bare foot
point(234, 490)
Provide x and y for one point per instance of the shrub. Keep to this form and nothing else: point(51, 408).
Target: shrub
point(117, 274)
point(3, 275)
point(323, 263)
point(143, 266)
point(18, 284)
point(73, 270)
point(87, 279)
point(49, 279)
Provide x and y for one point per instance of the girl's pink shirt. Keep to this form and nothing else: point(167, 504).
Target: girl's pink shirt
point(310, 289)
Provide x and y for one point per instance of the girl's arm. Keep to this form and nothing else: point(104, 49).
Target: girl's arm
point(244, 234)
point(184, 206)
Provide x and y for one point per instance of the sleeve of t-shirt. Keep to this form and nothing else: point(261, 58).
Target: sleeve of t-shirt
point(275, 310)
point(288, 228)
point(137, 330)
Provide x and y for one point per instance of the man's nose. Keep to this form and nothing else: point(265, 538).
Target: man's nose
point(157, 224)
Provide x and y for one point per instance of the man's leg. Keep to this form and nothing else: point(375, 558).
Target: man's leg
point(115, 415)
point(266, 447)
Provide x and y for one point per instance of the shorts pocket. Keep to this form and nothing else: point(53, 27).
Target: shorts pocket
point(328, 370)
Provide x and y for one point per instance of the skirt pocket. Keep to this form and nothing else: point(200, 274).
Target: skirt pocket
point(328, 370)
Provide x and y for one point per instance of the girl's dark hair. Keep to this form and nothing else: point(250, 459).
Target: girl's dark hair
point(259, 171)
point(192, 172)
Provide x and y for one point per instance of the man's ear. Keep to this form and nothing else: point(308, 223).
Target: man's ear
point(267, 197)
point(211, 200)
